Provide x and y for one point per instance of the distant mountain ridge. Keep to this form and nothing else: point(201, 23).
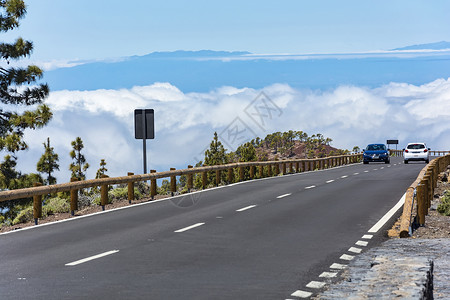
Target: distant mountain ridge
point(431, 46)
point(206, 70)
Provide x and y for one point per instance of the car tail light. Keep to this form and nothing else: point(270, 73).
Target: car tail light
point(426, 150)
point(406, 150)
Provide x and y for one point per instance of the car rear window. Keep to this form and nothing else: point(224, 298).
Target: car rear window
point(416, 146)
point(376, 147)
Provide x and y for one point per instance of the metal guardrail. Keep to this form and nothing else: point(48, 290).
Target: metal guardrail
point(272, 168)
point(422, 190)
point(432, 152)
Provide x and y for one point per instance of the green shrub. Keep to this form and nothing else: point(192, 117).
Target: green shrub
point(118, 194)
point(25, 215)
point(444, 206)
point(55, 205)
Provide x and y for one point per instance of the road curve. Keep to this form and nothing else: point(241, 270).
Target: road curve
point(277, 238)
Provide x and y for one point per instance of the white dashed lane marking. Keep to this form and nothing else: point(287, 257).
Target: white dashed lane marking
point(355, 173)
point(354, 250)
point(310, 187)
point(285, 195)
point(245, 208)
point(366, 171)
point(329, 181)
point(346, 257)
point(189, 227)
point(92, 258)
point(345, 176)
point(328, 274)
point(301, 294)
point(362, 243)
point(315, 285)
point(338, 266)
point(367, 236)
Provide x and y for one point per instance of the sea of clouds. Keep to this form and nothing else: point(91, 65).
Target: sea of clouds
point(185, 122)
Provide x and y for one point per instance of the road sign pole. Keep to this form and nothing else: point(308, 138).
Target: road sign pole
point(144, 142)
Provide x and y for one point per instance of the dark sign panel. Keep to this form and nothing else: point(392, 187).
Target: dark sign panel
point(146, 125)
point(392, 142)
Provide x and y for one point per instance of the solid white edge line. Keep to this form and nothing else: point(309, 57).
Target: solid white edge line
point(189, 227)
point(284, 195)
point(91, 258)
point(245, 208)
point(388, 215)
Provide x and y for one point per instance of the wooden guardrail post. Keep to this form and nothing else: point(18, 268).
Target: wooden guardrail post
point(241, 173)
point(303, 165)
point(73, 198)
point(217, 177)
point(284, 167)
point(406, 215)
point(230, 175)
point(252, 172)
point(204, 179)
point(173, 183)
point(37, 205)
point(130, 189)
point(421, 204)
point(153, 189)
point(291, 167)
point(269, 170)
point(297, 167)
point(261, 171)
point(429, 189)
point(311, 165)
point(190, 180)
point(104, 193)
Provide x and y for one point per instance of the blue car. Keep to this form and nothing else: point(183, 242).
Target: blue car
point(376, 152)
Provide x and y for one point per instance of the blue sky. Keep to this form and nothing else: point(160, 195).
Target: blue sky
point(87, 49)
point(86, 29)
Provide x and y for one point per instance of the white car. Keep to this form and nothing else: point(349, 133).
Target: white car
point(416, 151)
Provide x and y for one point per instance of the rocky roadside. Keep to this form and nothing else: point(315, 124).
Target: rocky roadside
point(411, 268)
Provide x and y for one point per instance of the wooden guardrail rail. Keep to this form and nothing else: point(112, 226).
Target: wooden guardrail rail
point(272, 167)
point(420, 193)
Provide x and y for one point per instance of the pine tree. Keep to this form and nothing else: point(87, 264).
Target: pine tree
point(48, 163)
point(8, 173)
point(102, 170)
point(17, 85)
point(79, 165)
point(216, 154)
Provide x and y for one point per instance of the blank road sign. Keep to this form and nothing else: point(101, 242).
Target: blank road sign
point(140, 127)
point(392, 142)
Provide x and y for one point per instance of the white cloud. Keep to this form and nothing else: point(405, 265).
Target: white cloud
point(185, 122)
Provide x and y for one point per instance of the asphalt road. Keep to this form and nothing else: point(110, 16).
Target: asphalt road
point(277, 238)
